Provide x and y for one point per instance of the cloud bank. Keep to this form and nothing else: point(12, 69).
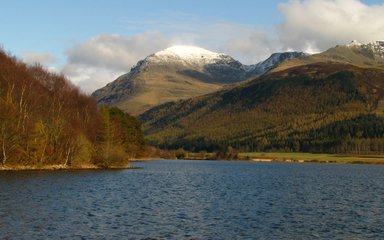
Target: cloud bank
point(103, 58)
point(315, 25)
point(308, 25)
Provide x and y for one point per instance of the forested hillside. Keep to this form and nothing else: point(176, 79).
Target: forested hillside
point(321, 107)
point(45, 121)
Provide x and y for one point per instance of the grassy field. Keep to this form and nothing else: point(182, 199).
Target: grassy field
point(310, 157)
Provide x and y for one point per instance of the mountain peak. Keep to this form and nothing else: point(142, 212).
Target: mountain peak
point(187, 52)
point(354, 43)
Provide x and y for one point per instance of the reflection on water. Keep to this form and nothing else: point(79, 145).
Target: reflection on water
point(196, 200)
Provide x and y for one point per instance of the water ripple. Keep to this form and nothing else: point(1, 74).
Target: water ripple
point(196, 200)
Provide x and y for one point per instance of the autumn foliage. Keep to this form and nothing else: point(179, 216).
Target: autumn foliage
point(46, 120)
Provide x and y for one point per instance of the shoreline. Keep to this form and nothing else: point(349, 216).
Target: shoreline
point(314, 161)
point(244, 157)
point(312, 158)
point(277, 160)
point(84, 167)
point(144, 159)
point(63, 168)
point(297, 157)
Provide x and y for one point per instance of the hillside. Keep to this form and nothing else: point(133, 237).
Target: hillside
point(369, 55)
point(178, 72)
point(46, 122)
point(280, 111)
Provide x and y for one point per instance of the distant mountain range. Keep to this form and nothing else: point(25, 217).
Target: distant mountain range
point(199, 100)
point(355, 53)
point(180, 72)
point(327, 102)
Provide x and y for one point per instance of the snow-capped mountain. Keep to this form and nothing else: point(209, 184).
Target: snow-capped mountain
point(274, 60)
point(371, 54)
point(179, 72)
point(375, 48)
point(198, 63)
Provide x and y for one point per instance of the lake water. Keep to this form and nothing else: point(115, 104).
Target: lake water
point(196, 200)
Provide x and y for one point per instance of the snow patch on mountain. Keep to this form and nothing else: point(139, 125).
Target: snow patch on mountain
point(274, 60)
point(376, 47)
point(188, 52)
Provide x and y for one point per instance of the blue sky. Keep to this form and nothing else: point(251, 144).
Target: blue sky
point(75, 36)
point(50, 26)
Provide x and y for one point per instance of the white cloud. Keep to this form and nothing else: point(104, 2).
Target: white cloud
point(36, 57)
point(319, 24)
point(115, 51)
point(45, 59)
point(90, 78)
point(247, 44)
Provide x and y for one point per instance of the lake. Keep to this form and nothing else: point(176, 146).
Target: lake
point(196, 200)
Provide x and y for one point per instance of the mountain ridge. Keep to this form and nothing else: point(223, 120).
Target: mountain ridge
point(179, 72)
point(369, 55)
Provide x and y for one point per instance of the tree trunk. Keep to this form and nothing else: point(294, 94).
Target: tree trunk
point(4, 153)
point(67, 157)
point(43, 152)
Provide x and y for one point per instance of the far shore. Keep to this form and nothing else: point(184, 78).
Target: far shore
point(144, 159)
point(266, 157)
point(312, 158)
point(295, 157)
